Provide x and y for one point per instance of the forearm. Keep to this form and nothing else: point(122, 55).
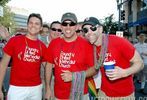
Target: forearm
point(136, 66)
point(91, 71)
point(3, 67)
point(2, 75)
point(134, 69)
point(48, 74)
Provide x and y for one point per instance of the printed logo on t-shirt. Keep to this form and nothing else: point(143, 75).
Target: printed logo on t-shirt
point(109, 57)
point(65, 59)
point(31, 54)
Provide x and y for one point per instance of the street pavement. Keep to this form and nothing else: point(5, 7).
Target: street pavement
point(138, 94)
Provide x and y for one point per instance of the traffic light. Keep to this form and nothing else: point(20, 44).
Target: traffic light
point(122, 14)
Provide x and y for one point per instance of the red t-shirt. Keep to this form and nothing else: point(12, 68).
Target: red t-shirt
point(73, 56)
point(121, 51)
point(26, 59)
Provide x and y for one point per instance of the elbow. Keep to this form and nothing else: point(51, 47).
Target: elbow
point(142, 65)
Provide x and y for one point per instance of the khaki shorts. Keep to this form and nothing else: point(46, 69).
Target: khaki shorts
point(102, 96)
point(85, 97)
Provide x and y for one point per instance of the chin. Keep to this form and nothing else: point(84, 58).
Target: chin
point(92, 42)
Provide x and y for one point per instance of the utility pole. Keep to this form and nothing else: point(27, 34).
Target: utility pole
point(119, 13)
point(119, 6)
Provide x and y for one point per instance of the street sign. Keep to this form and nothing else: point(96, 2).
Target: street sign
point(119, 33)
point(1, 11)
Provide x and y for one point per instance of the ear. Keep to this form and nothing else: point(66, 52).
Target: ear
point(101, 29)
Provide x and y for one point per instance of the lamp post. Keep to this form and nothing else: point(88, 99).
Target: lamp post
point(119, 4)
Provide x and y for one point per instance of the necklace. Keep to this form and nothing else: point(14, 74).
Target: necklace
point(103, 52)
point(39, 47)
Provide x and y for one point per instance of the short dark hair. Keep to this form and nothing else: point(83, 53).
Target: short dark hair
point(45, 26)
point(35, 15)
point(54, 22)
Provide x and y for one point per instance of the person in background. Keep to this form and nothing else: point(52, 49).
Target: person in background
point(141, 47)
point(73, 59)
point(79, 30)
point(4, 33)
point(117, 83)
point(55, 30)
point(44, 34)
point(27, 53)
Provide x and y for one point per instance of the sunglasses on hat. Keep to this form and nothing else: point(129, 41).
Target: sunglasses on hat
point(85, 30)
point(68, 23)
point(54, 29)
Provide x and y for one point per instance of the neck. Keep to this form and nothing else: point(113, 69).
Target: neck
point(32, 37)
point(98, 42)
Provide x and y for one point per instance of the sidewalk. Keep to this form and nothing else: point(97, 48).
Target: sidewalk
point(138, 95)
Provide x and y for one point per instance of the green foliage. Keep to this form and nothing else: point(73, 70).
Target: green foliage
point(109, 25)
point(3, 2)
point(7, 19)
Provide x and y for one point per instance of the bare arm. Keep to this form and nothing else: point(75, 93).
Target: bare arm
point(48, 75)
point(137, 65)
point(118, 72)
point(3, 66)
point(91, 71)
point(67, 75)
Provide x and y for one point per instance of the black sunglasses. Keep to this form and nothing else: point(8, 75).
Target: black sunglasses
point(78, 31)
point(85, 30)
point(54, 29)
point(70, 24)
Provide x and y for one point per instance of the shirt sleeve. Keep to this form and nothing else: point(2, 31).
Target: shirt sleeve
point(44, 49)
point(127, 49)
point(49, 53)
point(9, 47)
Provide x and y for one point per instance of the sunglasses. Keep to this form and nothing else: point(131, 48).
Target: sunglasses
point(78, 31)
point(54, 29)
point(70, 24)
point(85, 30)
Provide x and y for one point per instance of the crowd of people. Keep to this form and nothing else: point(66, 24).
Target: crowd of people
point(68, 54)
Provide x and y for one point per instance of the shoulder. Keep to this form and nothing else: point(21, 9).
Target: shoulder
point(56, 41)
point(118, 40)
point(82, 40)
point(16, 38)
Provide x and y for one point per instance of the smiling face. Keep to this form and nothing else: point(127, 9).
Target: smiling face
point(92, 33)
point(34, 26)
point(55, 30)
point(69, 30)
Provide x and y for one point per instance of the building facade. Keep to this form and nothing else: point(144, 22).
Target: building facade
point(21, 22)
point(135, 16)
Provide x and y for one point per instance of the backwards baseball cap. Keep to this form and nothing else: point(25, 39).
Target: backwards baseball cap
point(91, 21)
point(69, 16)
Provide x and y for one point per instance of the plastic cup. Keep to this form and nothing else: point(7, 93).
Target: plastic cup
point(108, 66)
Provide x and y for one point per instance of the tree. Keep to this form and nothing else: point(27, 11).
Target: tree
point(109, 25)
point(7, 19)
point(3, 2)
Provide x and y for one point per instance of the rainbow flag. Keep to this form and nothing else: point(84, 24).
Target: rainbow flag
point(92, 89)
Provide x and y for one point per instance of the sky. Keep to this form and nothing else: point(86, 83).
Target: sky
point(52, 10)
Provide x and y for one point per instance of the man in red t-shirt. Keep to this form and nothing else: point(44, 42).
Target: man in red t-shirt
point(70, 54)
point(27, 53)
point(117, 83)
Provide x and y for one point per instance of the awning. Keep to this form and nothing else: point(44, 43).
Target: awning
point(138, 22)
